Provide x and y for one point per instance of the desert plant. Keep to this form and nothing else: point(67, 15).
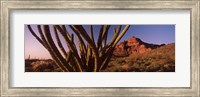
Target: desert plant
point(89, 56)
point(40, 66)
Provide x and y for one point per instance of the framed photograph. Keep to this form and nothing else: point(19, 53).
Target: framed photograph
point(100, 48)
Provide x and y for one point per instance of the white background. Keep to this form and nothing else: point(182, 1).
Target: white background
point(180, 78)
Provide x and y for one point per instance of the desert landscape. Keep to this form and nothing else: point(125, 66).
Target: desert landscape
point(131, 55)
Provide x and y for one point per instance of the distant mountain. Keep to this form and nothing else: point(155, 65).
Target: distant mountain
point(133, 45)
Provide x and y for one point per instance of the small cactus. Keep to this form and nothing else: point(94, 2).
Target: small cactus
point(29, 57)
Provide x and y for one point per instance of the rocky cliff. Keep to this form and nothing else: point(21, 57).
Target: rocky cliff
point(133, 45)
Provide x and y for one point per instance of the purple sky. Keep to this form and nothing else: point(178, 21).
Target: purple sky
point(156, 34)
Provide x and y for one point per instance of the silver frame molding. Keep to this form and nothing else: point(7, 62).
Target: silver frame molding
point(8, 5)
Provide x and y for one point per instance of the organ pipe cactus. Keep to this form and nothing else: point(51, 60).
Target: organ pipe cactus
point(90, 56)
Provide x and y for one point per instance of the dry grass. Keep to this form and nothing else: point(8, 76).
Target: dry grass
point(41, 66)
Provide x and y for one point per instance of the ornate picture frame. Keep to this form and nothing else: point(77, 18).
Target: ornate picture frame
point(8, 5)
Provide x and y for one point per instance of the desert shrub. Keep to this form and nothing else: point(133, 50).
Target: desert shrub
point(153, 68)
point(134, 68)
point(28, 69)
point(114, 69)
point(169, 68)
point(47, 70)
point(125, 67)
point(57, 70)
point(42, 66)
point(28, 63)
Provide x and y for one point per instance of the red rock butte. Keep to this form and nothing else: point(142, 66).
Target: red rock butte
point(133, 45)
